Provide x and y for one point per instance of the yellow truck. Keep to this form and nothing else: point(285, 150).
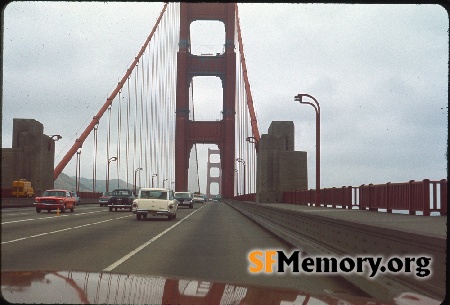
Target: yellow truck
point(22, 188)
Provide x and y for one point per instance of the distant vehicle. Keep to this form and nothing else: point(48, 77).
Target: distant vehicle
point(199, 198)
point(155, 202)
point(22, 188)
point(103, 200)
point(78, 199)
point(184, 199)
point(55, 199)
point(121, 199)
point(217, 198)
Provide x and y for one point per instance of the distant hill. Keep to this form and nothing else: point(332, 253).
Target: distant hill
point(65, 182)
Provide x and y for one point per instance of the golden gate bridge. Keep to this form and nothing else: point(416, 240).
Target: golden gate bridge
point(147, 125)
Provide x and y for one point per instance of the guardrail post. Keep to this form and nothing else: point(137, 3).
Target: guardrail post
point(425, 194)
point(361, 199)
point(443, 196)
point(411, 198)
point(388, 197)
point(371, 208)
point(333, 202)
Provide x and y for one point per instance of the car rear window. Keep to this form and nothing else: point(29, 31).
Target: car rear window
point(153, 195)
point(121, 193)
point(182, 195)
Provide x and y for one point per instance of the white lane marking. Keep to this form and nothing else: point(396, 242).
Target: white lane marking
point(12, 213)
point(62, 230)
point(129, 255)
point(50, 217)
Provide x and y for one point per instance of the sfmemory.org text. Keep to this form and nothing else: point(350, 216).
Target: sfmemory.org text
point(269, 261)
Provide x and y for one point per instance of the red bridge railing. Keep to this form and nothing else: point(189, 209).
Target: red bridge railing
point(246, 197)
point(414, 196)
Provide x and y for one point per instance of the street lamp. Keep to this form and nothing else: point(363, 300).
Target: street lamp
point(164, 182)
point(243, 162)
point(153, 176)
point(55, 138)
point(135, 172)
point(316, 106)
point(254, 141)
point(107, 172)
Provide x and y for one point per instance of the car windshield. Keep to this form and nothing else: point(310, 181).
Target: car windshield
point(54, 194)
point(121, 193)
point(183, 195)
point(153, 194)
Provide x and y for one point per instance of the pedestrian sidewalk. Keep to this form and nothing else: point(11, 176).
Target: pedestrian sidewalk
point(433, 226)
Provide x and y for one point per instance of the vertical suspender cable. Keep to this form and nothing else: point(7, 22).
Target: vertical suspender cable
point(119, 137)
point(94, 166)
point(108, 140)
point(79, 142)
point(127, 151)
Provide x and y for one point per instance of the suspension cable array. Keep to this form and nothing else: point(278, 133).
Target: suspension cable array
point(139, 128)
point(140, 123)
point(247, 134)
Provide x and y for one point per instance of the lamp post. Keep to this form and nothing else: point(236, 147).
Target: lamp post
point(243, 162)
point(153, 176)
point(316, 106)
point(107, 172)
point(135, 180)
point(164, 182)
point(236, 182)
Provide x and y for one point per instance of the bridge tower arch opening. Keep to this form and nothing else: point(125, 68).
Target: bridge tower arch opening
point(222, 65)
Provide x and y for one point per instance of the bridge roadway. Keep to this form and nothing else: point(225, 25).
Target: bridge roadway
point(209, 242)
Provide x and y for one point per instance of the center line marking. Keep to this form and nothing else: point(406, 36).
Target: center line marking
point(50, 217)
point(62, 230)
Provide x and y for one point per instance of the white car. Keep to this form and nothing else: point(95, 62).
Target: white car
point(155, 202)
point(199, 198)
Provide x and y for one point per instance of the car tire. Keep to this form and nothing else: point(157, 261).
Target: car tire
point(72, 209)
point(110, 209)
point(48, 210)
point(191, 206)
point(169, 217)
point(138, 216)
point(145, 216)
point(174, 216)
point(38, 210)
point(63, 210)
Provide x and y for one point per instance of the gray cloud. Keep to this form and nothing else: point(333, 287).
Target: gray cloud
point(380, 73)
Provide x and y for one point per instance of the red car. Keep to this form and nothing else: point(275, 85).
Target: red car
point(54, 200)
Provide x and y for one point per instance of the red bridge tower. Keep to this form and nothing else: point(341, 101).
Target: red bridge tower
point(222, 132)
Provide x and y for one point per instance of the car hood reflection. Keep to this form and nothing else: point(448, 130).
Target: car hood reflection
point(70, 287)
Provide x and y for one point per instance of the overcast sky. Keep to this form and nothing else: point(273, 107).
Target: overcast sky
point(379, 72)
